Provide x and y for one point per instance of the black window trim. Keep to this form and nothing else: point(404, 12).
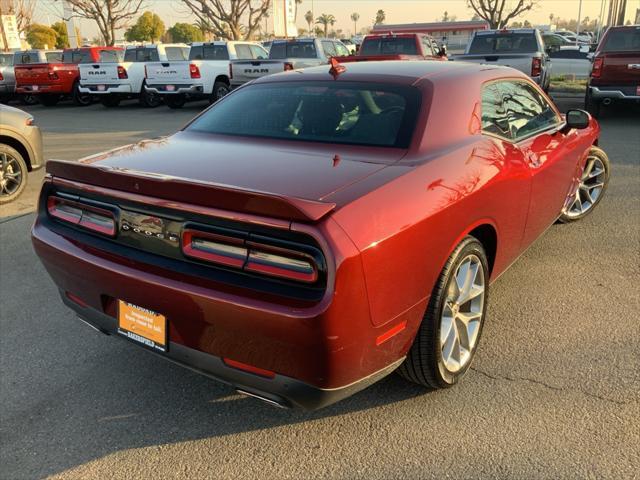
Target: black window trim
point(553, 128)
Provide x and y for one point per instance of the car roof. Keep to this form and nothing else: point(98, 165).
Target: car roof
point(404, 72)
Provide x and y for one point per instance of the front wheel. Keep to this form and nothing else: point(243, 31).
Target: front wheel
point(593, 183)
point(175, 101)
point(448, 336)
point(220, 89)
point(13, 174)
point(28, 99)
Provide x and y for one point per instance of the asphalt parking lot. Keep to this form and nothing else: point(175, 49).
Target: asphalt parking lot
point(553, 393)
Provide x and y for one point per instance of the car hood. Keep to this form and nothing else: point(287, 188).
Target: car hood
point(303, 170)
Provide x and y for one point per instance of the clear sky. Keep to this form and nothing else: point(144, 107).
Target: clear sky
point(397, 11)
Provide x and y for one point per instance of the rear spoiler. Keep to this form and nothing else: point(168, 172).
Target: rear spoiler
point(184, 190)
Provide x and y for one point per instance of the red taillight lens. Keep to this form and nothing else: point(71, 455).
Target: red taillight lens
point(249, 256)
point(122, 73)
point(1, 77)
point(249, 368)
point(288, 66)
point(53, 75)
point(536, 67)
point(86, 216)
point(194, 71)
point(598, 63)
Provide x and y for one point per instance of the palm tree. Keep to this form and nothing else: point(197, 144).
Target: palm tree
point(380, 17)
point(325, 20)
point(309, 18)
point(355, 17)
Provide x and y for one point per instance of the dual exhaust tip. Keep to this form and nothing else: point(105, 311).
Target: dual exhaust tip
point(271, 401)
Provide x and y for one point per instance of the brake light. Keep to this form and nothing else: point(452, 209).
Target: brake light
point(194, 71)
point(288, 66)
point(1, 77)
point(598, 64)
point(250, 256)
point(53, 75)
point(536, 67)
point(92, 218)
point(122, 73)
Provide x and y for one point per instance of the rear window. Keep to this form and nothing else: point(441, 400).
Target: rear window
point(76, 56)
point(21, 58)
point(293, 49)
point(503, 43)
point(389, 46)
point(346, 113)
point(6, 59)
point(141, 55)
point(209, 52)
point(624, 40)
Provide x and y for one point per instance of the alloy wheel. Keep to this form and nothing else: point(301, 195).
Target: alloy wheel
point(462, 313)
point(10, 175)
point(590, 188)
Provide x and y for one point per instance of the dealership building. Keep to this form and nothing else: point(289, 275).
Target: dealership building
point(455, 35)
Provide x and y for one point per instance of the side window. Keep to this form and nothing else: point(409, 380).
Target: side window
point(329, 48)
point(258, 52)
point(494, 116)
point(527, 110)
point(341, 49)
point(243, 51)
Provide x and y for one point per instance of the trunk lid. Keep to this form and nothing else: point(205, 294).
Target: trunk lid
point(168, 72)
point(288, 180)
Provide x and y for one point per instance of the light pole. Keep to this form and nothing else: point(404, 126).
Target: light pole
point(578, 26)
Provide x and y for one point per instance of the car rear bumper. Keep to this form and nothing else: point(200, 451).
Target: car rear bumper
point(280, 391)
point(7, 88)
point(615, 92)
point(184, 89)
point(40, 89)
point(108, 89)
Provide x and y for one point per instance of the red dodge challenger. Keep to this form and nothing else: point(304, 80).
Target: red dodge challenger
point(316, 230)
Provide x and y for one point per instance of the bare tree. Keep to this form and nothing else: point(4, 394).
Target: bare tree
point(497, 13)
point(232, 19)
point(23, 10)
point(110, 15)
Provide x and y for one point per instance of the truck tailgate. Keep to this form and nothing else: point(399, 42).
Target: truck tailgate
point(99, 73)
point(168, 72)
point(246, 70)
point(34, 74)
point(519, 61)
point(620, 68)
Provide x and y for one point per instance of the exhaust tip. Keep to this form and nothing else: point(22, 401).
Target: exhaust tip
point(606, 101)
point(270, 401)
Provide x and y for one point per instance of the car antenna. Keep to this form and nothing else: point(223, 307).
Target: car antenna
point(336, 67)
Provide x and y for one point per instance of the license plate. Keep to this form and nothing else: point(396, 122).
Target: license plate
point(170, 88)
point(35, 88)
point(102, 88)
point(142, 325)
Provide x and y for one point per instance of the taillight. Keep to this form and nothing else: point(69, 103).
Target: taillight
point(1, 77)
point(194, 71)
point(536, 67)
point(250, 256)
point(598, 64)
point(288, 66)
point(92, 218)
point(230, 71)
point(122, 73)
point(53, 75)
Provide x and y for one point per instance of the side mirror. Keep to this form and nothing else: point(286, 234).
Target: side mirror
point(577, 119)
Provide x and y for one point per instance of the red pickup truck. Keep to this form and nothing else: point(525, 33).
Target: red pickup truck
point(615, 73)
point(52, 81)
point(400, 46)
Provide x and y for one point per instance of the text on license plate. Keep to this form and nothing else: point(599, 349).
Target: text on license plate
point(142, 325)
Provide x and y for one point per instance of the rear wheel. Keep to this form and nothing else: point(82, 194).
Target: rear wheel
point(593, 183)
point(110, 101)
point(79, 98)
point(175, 101)
point(49, 100)
point(148, 99)
point(591, 105)
point(450, 330)
point(220, 89)
point(29, 99)
point(13, 174)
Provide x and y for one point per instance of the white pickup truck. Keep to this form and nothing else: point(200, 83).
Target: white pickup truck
point(124, 78)
point(204, 75)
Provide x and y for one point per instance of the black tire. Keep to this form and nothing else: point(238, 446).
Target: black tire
point(80, 99)
point(424, 364)
point(592, 105)
point(175, 101)
point(220, 89)
point(566, 216)
point(14, 164)
point(49, 100)
point(110, 101)
point(28, 99)
point(149, 100)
